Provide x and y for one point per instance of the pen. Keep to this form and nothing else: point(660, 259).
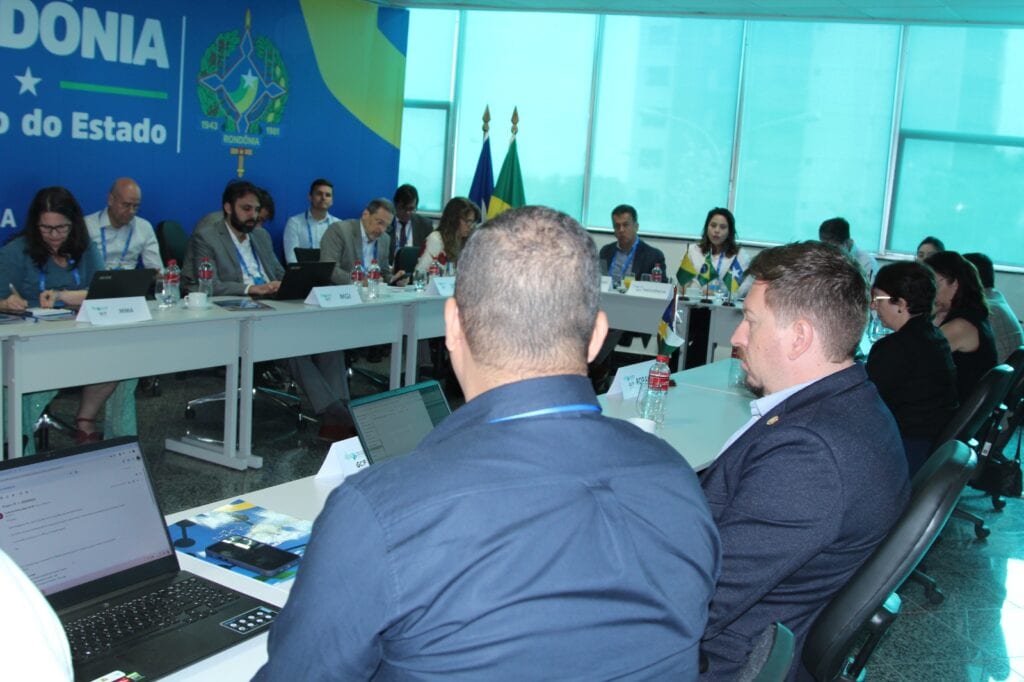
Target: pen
point(14, 292)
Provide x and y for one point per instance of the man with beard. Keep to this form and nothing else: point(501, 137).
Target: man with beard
point(244, 264)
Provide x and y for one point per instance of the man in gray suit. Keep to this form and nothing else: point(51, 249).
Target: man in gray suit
point(244, 264)
point(365, 239)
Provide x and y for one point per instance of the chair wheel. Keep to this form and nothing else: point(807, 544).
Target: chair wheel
point(934, 595)
point(190, 413)
point(982, 532)
point(998, 503)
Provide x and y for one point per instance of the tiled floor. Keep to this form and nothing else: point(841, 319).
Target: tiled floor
point(976, 634)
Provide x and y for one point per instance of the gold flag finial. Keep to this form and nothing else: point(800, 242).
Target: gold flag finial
point(487, 119)
point(515, 120)
point(248, 20)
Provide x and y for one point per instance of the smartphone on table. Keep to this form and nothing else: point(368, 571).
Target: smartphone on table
point(252, 555)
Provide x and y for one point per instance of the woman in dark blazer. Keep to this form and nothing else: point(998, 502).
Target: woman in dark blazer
point(913, 367)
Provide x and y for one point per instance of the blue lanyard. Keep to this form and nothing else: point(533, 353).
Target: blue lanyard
point(718, 268)
point(376, 244)
point(259, 278)
point(629, 258)
point(309, 228)
point(74, 273)
point(124, 251)
point(557, 409)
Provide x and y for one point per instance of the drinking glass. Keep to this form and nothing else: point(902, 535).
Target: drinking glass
point(419, 280)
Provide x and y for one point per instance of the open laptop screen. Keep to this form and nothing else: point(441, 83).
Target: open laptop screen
point(393, 423)
point(82, 516)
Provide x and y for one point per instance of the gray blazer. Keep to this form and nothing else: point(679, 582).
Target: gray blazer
point(211, 238)
point(342, 244)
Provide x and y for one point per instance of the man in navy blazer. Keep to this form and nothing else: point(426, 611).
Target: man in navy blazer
point(806, 490)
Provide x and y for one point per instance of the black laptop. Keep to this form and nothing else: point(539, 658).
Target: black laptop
point(121, 283)
point(306, 255)
point(393, 423)
point(299, 278)
point(85, 525)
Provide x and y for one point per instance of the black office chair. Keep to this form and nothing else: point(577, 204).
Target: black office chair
point(862, 612)
point(172, 240)
point(406, 258)
point(1007, 418)
point(772, 656)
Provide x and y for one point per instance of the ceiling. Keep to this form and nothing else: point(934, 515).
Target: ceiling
point(974, 12)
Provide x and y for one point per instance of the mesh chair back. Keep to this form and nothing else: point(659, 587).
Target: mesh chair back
point(974, 411)
point(171, 237)
point(838, 626)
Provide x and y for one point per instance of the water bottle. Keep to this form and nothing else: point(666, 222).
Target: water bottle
point(652, 403)
point(358, 274)
point(373, 280)
point(205, 276)
point(434, 270)
point(657, 273)
point(171, 293)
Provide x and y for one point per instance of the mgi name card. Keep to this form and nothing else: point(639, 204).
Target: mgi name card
point(659, 290)
point(441, 286)
point(104, 311)
point(338, 296)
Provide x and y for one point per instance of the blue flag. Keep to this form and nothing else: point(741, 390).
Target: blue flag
point(483, 179)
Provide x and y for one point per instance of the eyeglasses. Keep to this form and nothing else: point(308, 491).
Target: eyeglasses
point(876, 299)
point(63, 228)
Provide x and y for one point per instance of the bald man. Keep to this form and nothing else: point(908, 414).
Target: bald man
point(121, 236)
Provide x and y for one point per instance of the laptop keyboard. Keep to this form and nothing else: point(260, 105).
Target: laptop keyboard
point(170, 607)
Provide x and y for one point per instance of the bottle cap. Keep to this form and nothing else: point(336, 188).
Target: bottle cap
point(662, 358)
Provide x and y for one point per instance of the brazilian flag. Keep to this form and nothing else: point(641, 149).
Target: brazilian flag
point(708, 273)
point(508, 190)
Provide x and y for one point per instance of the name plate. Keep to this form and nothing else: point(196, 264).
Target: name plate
point(338, 296)
point(105, 311)
point(346, 457)
point(442, 286)
point(659, 290)
point(631, 379)
point(606, 283)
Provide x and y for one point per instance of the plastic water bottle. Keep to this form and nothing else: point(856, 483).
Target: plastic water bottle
point(652, 403)
point(373, 280)
point(205, 276)
point(657, 274)
point(171, 293)
point(434, 270)
point(358, 274)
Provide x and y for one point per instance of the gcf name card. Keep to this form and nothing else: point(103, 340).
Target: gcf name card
point(629, 380)
point(339, 296)
point(442, 286)
point(104, 311)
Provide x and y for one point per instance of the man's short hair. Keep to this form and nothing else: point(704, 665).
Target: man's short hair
point(820, 283)
point(985, 270)
point(405, 195)
point(320, 182)
point(624, 208)
point(237, 189)
point(517, 312)
point(379, 203)
point(834, 231)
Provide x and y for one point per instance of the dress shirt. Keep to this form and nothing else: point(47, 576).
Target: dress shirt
point(253, 268)
point(297, 231)
point(762, 406)
point(370, 248)
point(138, 235)
point(565, 546)
point(1005, 327)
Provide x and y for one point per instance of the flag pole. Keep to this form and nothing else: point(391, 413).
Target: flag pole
point(487, 119)
point(515, 121)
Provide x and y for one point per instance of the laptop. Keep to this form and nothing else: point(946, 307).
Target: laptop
point(85, 525)
point(306, 255)
point(121, 283)
point(393, 423)
point(299, 278)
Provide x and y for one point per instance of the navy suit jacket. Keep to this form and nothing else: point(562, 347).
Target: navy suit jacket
point(801, 499)
point(643, 262)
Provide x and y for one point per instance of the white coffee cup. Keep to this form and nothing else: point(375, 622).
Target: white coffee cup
point(197, 299)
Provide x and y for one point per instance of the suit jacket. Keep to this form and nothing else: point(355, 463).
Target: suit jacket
point(342, 244)
point(421, 227)
point(211, 238)
point(800, 499)
point(644, 260)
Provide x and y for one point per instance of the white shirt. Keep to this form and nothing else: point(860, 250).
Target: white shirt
point(250, 264)
point(32, 642)
point(370, 248)
point(867, 263)
point(763, 405)
point(297, 233)
point(138, 236)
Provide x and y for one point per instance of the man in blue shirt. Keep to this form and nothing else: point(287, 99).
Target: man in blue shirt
point(526, 537)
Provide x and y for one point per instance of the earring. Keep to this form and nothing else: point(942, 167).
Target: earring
point(899, 311)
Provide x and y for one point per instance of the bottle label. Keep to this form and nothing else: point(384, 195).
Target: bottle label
point(658, 381)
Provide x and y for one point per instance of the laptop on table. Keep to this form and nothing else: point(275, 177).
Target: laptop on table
point(85, 525)
point(299, 278)
point(122, 283)
point(393, 423)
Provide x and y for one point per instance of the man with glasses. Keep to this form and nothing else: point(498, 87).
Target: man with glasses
point(362, 239)
point(408, 228)
point(122, 237)
point(306, 229)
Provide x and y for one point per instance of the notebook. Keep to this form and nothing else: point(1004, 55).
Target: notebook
point(85, 525)
point(121, 283)
point(393, 423)
point(299, 278)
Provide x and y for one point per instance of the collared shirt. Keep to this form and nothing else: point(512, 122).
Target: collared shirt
point(298, 229)
point(251, 267)
point(369, 247)
point(759, 407)
point(138, 236)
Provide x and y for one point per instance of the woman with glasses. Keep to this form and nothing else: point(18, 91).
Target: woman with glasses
point(912, 368)
point(961, 314)
point(458, 219)
point(49, 264)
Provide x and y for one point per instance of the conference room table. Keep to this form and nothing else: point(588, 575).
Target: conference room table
point(703, 411)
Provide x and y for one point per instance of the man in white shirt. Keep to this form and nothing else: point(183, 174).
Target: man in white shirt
point(836, 231)
point(121, 236)
point(306, 229)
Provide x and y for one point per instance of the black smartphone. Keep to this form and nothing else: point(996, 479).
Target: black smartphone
point(253, 555)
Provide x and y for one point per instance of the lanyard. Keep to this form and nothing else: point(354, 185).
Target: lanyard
point(124, 251)
point(557, 409)
point(74, 273)
point(629, 258)
point(309, 228)
point(718, 268)
point(376, 244)
point(259, 278)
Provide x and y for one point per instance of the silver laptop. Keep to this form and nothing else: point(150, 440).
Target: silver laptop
point(393, 423)
point(85, 525)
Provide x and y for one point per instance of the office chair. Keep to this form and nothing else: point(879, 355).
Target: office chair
point(849, 628)
point(1006, 420)
point(173, 241)
point(406, 258)
point(771, 657)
